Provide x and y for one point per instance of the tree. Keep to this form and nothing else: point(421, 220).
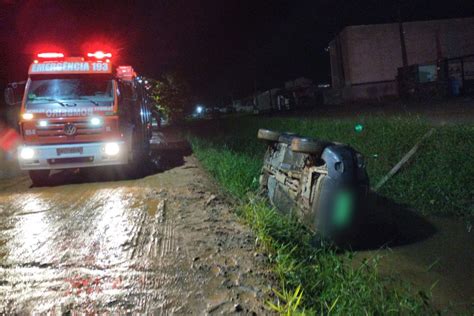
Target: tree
point(171, 95)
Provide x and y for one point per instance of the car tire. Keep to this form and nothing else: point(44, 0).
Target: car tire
point(308, 145)
point(287, 137)
point(268, 135)
point(39, 177)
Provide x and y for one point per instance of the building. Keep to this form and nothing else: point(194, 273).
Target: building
point(365, 58)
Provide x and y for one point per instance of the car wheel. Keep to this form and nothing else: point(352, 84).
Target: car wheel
point(269, 135)
point(308, 145)
point(287, 137)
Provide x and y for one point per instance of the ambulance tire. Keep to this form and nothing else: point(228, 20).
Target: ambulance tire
point(141, 163)
point(39, 177)
point(268, 135)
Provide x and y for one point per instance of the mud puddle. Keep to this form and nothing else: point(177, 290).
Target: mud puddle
point(435, 255)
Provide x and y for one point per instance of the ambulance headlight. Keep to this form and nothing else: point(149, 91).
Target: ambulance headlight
point(27, 153)
point(95, 121)
point(111, 149)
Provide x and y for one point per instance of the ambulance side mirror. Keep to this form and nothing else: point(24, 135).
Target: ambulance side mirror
point(14, 93)
point(9, 96)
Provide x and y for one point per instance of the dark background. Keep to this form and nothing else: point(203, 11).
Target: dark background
point(223, 48)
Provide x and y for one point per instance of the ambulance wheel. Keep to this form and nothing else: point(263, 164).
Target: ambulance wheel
point(39, 177)
point(307, 145)
point(266, 134)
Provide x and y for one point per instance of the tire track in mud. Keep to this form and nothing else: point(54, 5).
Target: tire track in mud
point(154, 245)
point(167, 230)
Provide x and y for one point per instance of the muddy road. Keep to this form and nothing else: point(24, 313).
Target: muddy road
point(163, 244)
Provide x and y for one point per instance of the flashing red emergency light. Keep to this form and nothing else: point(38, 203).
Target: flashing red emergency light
point(99, 55)
point(50, 55)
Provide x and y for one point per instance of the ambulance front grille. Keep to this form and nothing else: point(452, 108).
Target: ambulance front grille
point(57, 129)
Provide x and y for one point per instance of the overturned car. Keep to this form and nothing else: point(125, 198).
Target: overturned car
point(325, 184)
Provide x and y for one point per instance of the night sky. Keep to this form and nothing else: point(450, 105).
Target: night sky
point(223, 48)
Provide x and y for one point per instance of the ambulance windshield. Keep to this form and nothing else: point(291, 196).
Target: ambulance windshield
point(69, 90)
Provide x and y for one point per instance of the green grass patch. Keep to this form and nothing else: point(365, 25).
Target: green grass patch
point(436, 181)
point(328, 282)
point(226, 166)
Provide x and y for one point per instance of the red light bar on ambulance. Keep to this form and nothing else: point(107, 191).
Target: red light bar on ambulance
point(50, 55)
point(99, 55)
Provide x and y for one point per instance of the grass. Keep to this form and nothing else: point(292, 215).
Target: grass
point(436, 181)
point(320, 281)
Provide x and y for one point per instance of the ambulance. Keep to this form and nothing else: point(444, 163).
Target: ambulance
point(81, 112)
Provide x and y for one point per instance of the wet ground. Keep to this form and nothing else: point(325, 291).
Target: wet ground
point(435, 255)
point(442, 265)
point(164, 244)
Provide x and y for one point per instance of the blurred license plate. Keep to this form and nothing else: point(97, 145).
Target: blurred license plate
point(69, 150)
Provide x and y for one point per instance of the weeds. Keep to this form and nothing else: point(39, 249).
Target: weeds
point(292, 301)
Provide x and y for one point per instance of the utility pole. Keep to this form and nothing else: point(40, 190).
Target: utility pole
point(402, 35)
point(255, 91)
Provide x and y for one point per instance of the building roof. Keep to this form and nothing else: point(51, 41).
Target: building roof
point(420, 22)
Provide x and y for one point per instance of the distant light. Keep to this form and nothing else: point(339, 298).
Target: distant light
point(43, 123)
point(146, 81)
point(199, 109)
point(359, 128)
